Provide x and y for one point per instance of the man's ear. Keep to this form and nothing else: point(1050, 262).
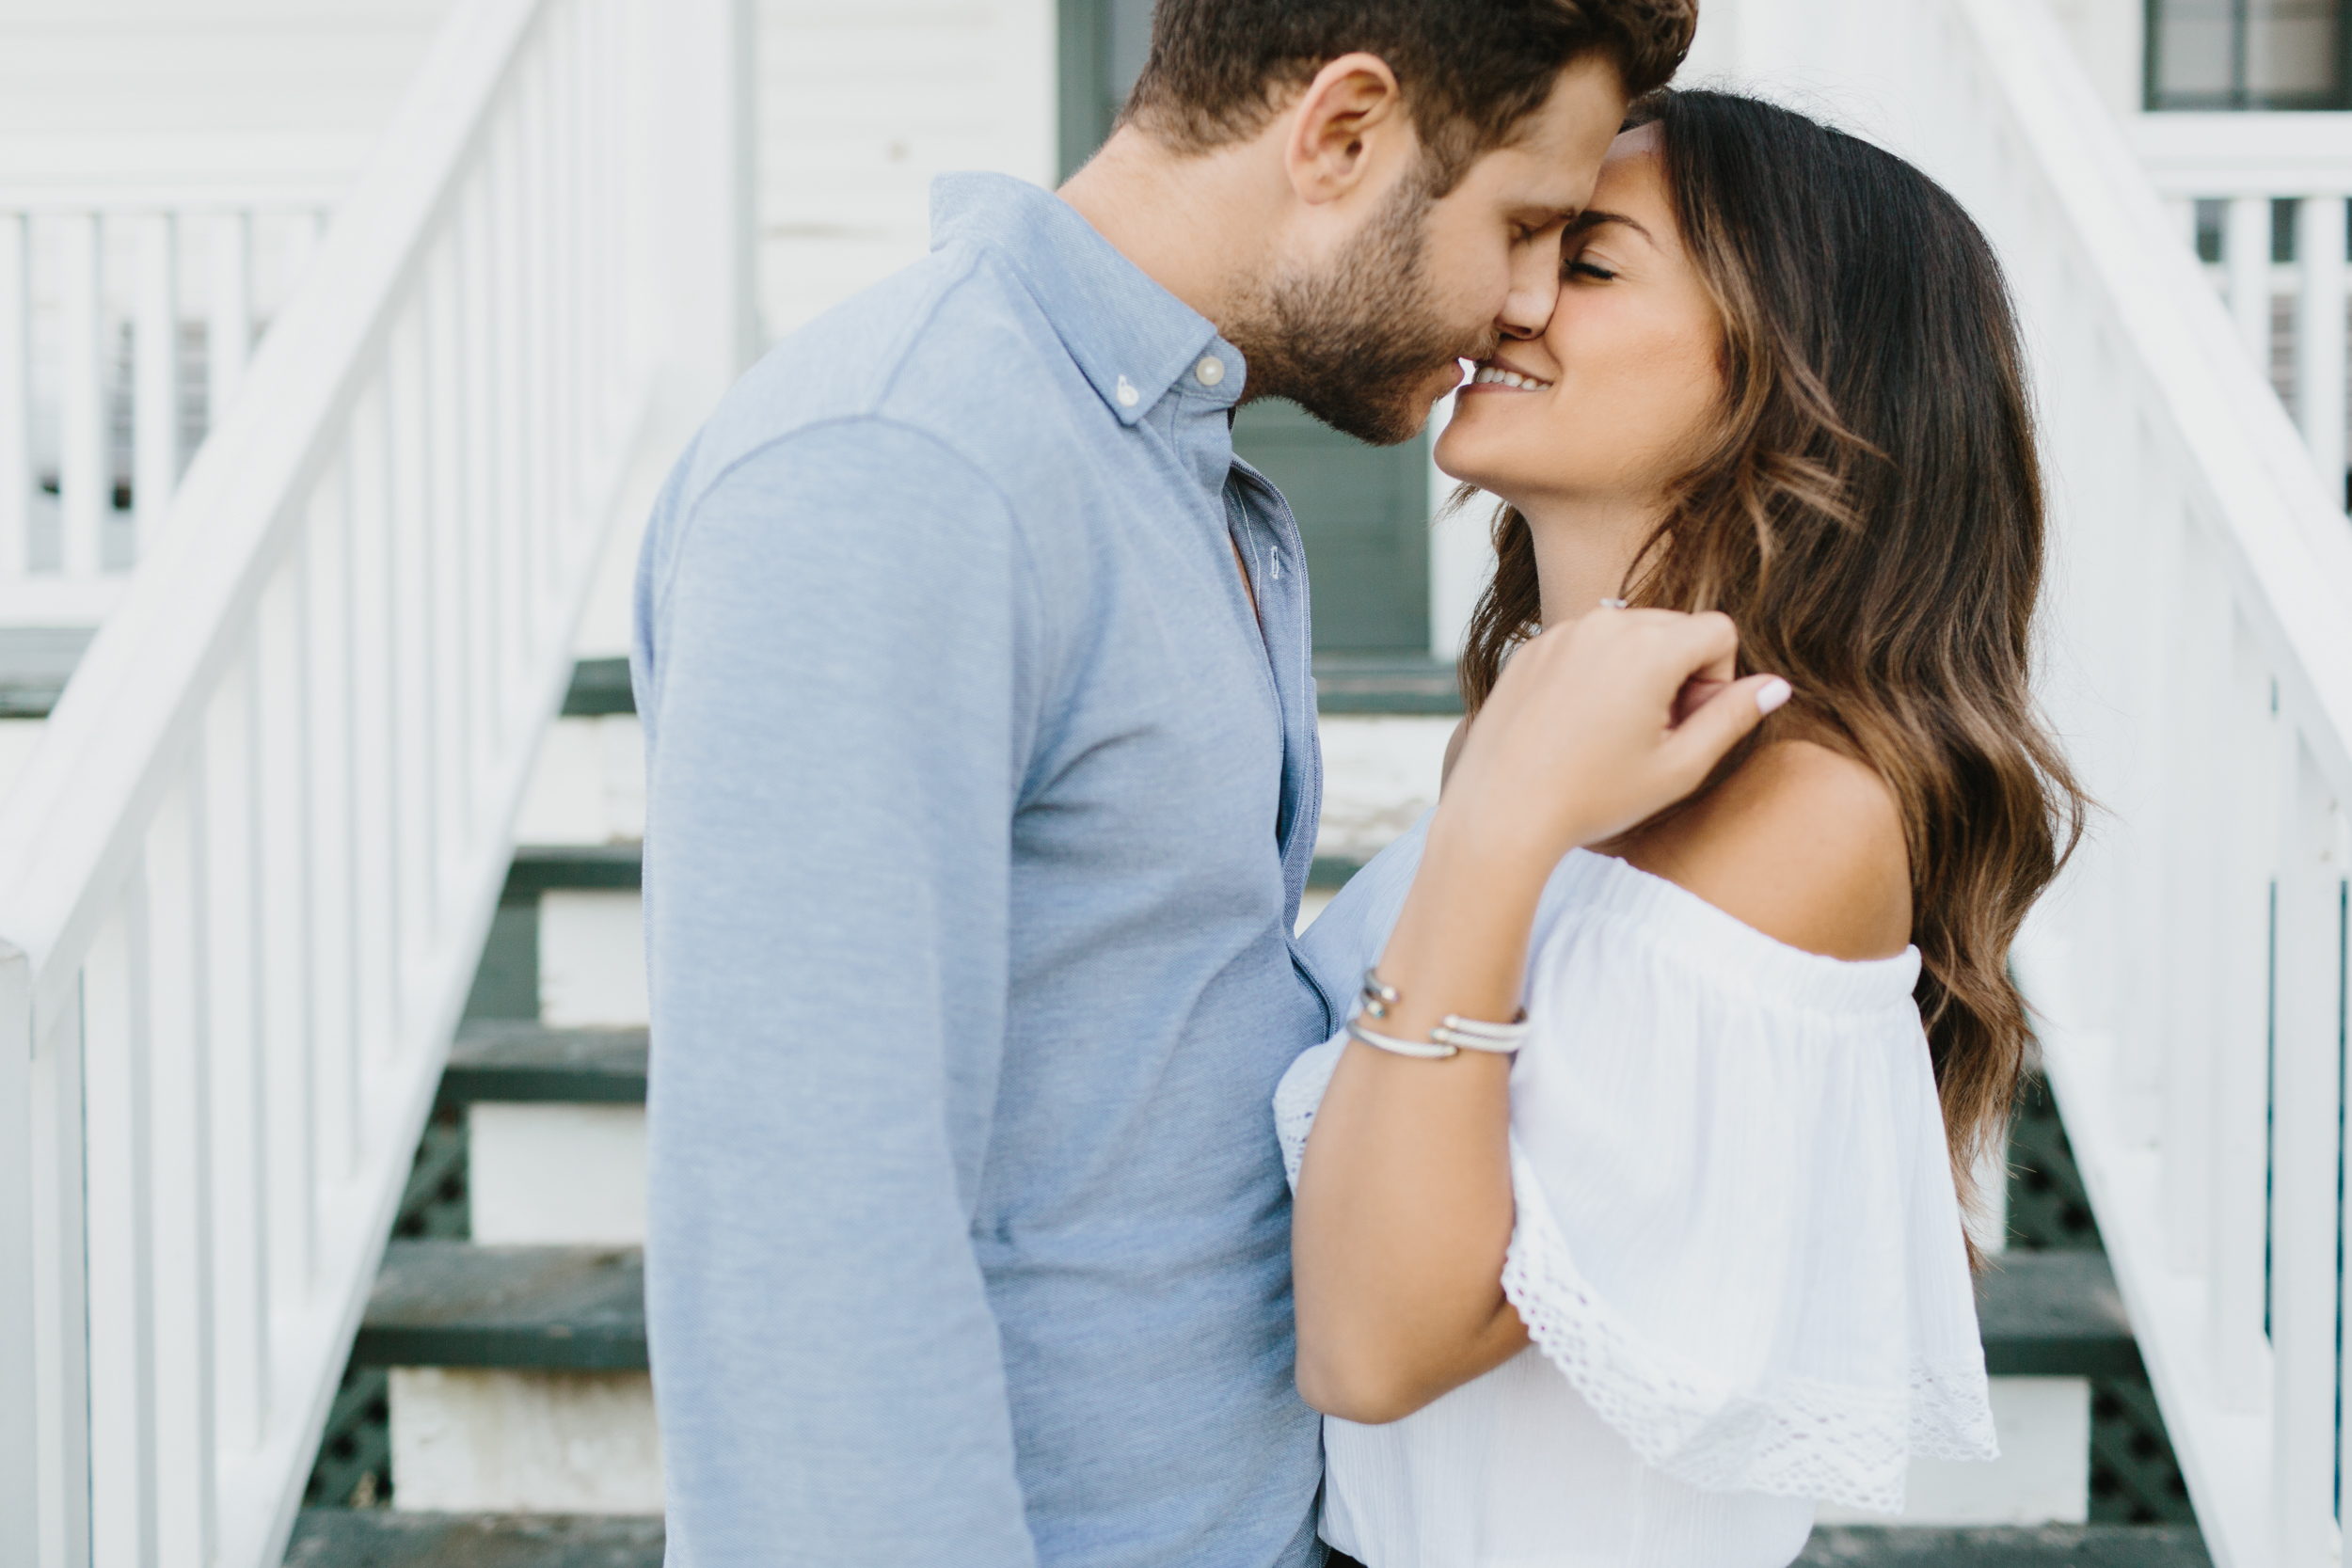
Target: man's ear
point(1351, 107)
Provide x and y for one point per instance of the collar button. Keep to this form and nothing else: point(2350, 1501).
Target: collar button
point(1211, 370)
point(1127, 395)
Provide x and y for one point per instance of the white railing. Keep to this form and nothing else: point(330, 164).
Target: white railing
point(127, 319)
point(2249, 180)
point(2189, 973)
point(244, 879)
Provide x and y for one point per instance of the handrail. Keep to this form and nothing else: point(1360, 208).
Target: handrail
point(2188, 975)
point(246, 873)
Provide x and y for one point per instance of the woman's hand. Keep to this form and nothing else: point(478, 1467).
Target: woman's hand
point(1597, 725)
point(1405, 1208)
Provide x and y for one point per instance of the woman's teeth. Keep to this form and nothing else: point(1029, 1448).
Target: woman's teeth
point(1495, 376)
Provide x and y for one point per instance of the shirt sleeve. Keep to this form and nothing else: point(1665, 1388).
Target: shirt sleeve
point(829, 655)
point(1736, 1233)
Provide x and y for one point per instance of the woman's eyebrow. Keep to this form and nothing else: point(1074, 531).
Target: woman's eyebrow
point(1592, 218)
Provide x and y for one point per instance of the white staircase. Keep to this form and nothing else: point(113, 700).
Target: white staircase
point(245, 876)
point(2190, 972)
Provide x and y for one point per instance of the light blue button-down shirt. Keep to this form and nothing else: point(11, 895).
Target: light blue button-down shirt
point(981, 806)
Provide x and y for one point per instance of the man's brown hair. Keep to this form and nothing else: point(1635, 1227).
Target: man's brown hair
point(1472, 70)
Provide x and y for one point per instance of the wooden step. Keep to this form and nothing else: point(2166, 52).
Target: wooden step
point(35, 664)
point(2031, 1546)
point(2054, 1314)
point(620, 867)
point(541, 867)
point(549, 1308)
point(520, 1062)
point(1344, 684)
point(386, 1537)
point(382, 1538)
point(453, 1304)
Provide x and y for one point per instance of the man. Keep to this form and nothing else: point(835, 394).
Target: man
point(984, 783)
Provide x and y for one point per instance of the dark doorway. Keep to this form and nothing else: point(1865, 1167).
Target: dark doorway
point(1363, 510)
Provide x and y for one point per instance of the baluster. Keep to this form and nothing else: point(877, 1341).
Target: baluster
point(16, 401)
point(2246, 251)
point(523, 308)
point(20, 1347)
point(370, 633)
point(179, 1059)
point(453, 552)
point(118, 1115)
point(563, 261)
point(241, 1165)
point(502, 516)
point(486, 736)
point(83, 492)
point(61, 1287)
point(445, 545)
point(2195, 658)
point(2320, 339)
point(228, 325)
point(414, 657)
point(281, 787)
point(2182, 210)
point(2307, 1045)
point(2239, 1087)
point(324, 590)
point(155, 395)
point(303, 231)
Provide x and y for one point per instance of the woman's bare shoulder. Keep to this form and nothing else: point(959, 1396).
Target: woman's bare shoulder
point(1804, 842)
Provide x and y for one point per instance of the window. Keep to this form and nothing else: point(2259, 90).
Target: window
point(1362, 510)
point(2249, 54)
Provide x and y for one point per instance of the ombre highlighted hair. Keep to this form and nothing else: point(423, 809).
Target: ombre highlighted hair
point(1868, 509)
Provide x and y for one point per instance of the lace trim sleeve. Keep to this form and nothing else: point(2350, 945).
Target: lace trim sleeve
point(1788, 1436)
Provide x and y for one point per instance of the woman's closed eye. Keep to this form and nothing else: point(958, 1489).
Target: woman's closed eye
point(1579, 268)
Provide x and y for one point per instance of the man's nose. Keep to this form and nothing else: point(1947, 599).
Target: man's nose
point(1534, 289)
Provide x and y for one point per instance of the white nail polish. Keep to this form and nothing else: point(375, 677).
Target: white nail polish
point(1773, 694)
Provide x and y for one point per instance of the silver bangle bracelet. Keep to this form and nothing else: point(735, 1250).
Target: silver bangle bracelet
point(1432, 1050)
point(1502, 1040)
point(1453, 1034)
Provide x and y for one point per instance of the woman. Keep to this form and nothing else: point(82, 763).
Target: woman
point(1694, 1258)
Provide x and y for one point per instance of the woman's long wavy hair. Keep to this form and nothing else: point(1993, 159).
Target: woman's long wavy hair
point(1868, 510)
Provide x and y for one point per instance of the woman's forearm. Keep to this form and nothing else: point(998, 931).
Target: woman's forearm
point(1405, 1204)
point(1405, 1210)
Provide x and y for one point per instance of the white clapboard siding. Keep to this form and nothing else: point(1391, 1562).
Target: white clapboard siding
point(71, 68)
point(860, 106)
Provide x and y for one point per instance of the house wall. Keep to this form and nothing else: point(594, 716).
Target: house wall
point(2109, 36)
point(859, 106)
point(151, 89)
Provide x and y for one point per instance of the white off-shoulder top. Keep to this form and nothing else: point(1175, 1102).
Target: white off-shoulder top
point(1737, 1249)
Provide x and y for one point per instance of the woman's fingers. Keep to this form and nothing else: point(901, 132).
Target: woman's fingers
point(1599, 725)
point(1721, 723)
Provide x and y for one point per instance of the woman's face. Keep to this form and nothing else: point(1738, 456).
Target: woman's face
point(1608, 405)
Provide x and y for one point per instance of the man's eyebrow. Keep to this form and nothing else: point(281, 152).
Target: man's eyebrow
point(1592, 218)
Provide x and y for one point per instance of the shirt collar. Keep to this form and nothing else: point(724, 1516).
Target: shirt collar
point(1133, 339)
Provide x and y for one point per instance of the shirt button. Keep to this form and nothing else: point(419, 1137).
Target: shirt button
point(1127, 395)
point(1211, 370)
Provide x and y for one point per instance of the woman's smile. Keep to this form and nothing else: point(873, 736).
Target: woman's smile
point(1496, 375)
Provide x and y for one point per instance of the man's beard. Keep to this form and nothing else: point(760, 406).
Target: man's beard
point(1356, 345)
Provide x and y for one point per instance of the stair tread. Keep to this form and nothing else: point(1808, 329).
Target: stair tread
point(618, 867)
point(383, 1538)
point(1344, 683)
point(2007, 1547)
point(2054, 1314)
point(387, 1538)
point(518, 1061)
point(539, 867)
point(458, 1304)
